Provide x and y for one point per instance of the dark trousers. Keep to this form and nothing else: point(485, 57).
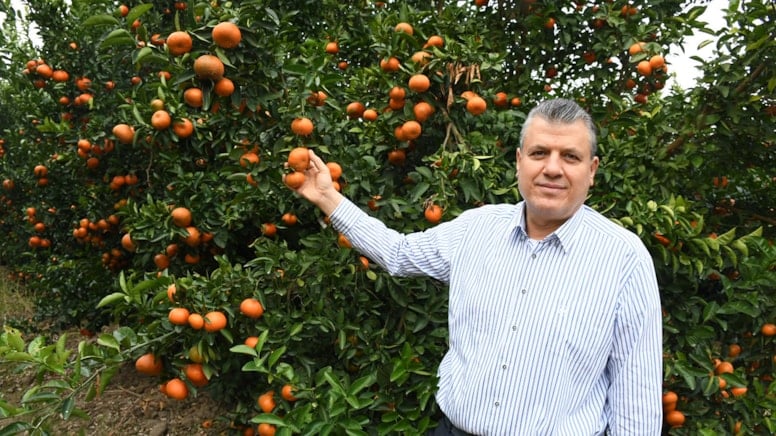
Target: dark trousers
point(446, 428)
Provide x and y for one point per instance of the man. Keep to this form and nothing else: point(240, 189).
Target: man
point(554, 313)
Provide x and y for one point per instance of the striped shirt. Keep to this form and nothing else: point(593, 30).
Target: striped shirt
point(555, 337)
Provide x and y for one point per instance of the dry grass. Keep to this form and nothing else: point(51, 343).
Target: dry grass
point(16, 303)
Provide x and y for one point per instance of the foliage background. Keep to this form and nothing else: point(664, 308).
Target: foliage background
point(690, 171)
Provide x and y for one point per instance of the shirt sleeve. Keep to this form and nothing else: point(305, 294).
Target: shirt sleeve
point(634, 404)
point(425, 253)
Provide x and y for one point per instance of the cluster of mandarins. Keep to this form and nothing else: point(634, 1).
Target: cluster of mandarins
point(676, 418)
point(207, 67)
point(652, 68)
point(36, 240)
point(418, 83)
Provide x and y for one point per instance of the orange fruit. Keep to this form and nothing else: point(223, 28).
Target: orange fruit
point(196, 321)
point(675, 418)
point(332, 47)
point(287, 392)
point(343, 241)
point(411, 130)
point(370, 115)
point(435, 41)
point(171, 291)
point(193, 97)
point(149, 364)
point(644, 68)
point(40, 171)
point(395, 104)
point(176, 389)
point(162, 261)
point(433, 213)
point(734, 350)
point(419, 83)
point(299, 158)
point(390, 65)
point(251, 341)
point(422, 110)
point(226, 35)
point(248, 159)
point(289, 219)
point(397, 156)
point(302, 126)
point(636, 48)
point(224, 87)
point(669, 401)
point(127, 243)
point(181, 216)
point(193, 238)
point(265, 429)
point(355, 110)
point(724, 367)
point(161, 120)
point(476, 105)
point(179, 43)
point(421, 57)
point(251, 308)
point(266, 402)
point(60, 76)
point(215, 321)
point(397, 93)
point(179, 316)
point(294, 180)
point(768, 329)
point(269, 229)
point(44, 71)
point(404, 27)
point(209, 67)
point(195, 374)
point(739, 391)
point(183, 128)
point(124, 133)
point(657, 62)
point(335, 170)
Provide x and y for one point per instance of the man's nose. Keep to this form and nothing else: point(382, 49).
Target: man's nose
point(552, 165)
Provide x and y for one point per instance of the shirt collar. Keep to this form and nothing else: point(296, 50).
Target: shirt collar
point(566, 234)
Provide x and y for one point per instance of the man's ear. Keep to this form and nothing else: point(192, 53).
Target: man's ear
point(593, 169)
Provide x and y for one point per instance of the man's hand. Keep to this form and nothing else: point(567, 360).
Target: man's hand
point(318, 187)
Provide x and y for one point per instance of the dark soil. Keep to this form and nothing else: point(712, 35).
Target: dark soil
point(130, 404)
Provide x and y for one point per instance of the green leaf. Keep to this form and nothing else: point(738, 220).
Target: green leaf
point(117, 38)
point(740, 307)
point(269, 418)
point(362, 383)
point(244, 349)
point(276, 355)
point(67, 407)
point(112, 298)
point(138, 11)
point(101, 20)
point(107, 340)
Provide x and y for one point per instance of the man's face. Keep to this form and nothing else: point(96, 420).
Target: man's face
point(555, 171)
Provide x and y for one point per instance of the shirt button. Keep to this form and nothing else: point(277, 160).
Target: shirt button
point(533, 256)
point(496, 404)
point(514, 328)
point(524, 291)
point(503, 367)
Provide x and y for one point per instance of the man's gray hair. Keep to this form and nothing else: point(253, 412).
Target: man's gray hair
point(563, 111)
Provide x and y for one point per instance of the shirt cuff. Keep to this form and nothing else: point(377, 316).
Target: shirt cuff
point(345, 215)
